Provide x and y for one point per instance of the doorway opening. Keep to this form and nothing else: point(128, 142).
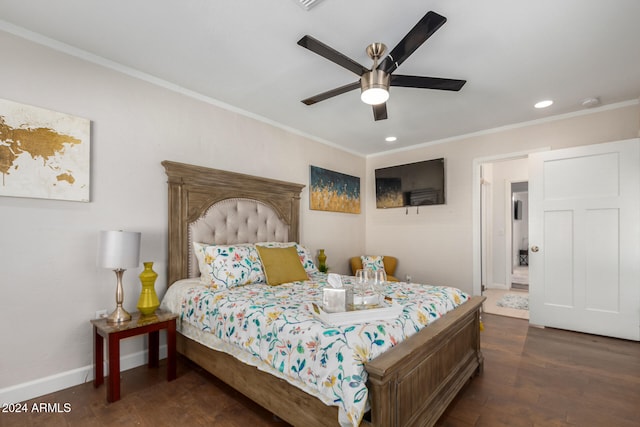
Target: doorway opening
point(518, 246)
point(500, 232)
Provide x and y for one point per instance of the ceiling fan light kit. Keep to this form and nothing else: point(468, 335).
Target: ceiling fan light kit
point(374, 95)
point(375, 82)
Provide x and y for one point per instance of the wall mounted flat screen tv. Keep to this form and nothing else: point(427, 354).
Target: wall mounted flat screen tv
point(413, 184)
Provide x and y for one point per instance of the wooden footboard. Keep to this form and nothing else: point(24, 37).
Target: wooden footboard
point(414, 383)
point(410, 384)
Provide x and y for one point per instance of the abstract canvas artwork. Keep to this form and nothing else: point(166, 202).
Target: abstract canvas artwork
point(334, 191)
point(43, 153)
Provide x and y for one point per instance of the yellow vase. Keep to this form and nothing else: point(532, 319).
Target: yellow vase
point(322, 261)
point(148, 301)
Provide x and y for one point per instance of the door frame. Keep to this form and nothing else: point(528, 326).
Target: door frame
point(486, 228)
point(476, 214)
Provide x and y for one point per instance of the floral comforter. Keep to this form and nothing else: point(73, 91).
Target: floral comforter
point(276, 325)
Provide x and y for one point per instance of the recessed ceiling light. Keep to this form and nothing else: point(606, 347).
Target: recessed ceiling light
point(391, 139)
point(543, 104)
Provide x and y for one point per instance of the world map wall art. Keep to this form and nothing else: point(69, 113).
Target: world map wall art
point(43, 153)
point(334, 191)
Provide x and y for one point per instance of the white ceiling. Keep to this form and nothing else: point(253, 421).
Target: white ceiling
point(243, 53)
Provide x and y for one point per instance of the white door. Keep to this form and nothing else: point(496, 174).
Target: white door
point(584, 239)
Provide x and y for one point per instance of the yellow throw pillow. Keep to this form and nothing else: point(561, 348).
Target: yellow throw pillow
point(281, 265)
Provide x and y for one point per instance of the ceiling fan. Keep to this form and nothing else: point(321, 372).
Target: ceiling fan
point(375, 82)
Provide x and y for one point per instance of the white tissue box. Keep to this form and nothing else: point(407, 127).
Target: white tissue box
point(335, 300)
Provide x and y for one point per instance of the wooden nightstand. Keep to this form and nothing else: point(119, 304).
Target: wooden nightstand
point(138, 325)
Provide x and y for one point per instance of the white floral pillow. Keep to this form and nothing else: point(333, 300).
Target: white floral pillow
point(226, 266)
point(374, 263)
point(305, 258)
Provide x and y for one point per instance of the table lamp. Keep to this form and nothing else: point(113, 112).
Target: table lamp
point(119, 250)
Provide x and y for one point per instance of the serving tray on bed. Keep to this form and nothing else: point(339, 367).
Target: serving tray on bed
point(382, 311)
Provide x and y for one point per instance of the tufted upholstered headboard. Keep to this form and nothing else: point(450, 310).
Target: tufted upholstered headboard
point(214, 206)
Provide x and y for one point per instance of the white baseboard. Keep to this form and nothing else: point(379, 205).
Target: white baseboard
point(36, 388)
point(498, 286)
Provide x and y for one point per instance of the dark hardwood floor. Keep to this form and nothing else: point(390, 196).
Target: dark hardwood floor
point(550, 377)
point(532, 377)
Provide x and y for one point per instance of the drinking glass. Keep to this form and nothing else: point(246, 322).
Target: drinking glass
point(362, 283)
point(379, 280)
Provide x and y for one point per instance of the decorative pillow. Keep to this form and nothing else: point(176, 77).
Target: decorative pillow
point(305, 258)
point(281, 265)
point(223, 266)
point(374, 263)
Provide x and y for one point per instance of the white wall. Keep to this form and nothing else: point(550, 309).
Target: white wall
point(436, 245)
point(49, 284)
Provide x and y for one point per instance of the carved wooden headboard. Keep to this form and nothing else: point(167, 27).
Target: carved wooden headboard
point(196, 191)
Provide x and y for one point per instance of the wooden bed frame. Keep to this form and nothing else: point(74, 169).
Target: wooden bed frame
point(410, 384)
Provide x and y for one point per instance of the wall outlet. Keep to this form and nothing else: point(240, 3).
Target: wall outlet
point(101, 314)
point(407, 279)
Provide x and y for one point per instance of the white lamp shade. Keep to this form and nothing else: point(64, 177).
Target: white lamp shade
point(119, 249)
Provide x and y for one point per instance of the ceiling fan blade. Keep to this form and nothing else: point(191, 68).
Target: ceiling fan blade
point(332, 55)
point(380, 111)
point(427, 82)
point(331, 93)
point(428, 25)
